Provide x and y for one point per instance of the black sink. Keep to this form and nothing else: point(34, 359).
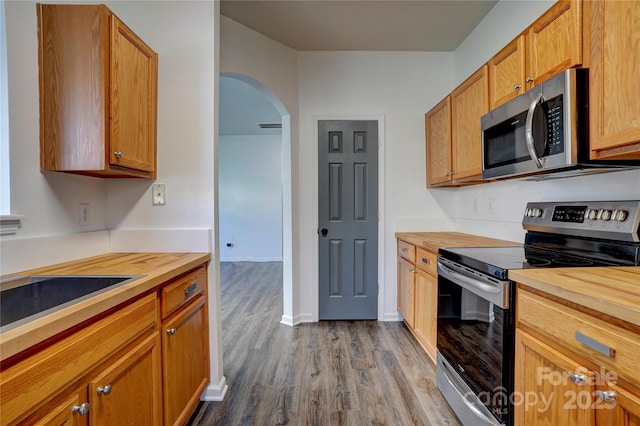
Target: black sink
point(51, 292)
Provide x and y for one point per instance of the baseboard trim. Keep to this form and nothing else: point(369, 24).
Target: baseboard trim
point(215, 392)
point(295, 320)
point(250, 259)
point(391, 316)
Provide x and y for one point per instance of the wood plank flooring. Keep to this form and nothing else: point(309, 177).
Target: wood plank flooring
point(326, 373)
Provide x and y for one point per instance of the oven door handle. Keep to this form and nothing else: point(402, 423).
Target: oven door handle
point(453, 382)
point(493, 292)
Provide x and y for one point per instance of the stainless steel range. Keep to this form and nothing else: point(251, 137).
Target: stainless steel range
point(476, 315)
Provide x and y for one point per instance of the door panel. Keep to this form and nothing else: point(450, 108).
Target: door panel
point(348, 206)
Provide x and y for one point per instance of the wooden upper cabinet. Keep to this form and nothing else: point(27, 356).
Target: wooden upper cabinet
point(98, 94)
point(469, 102)
point(507, 73)
point(554, 42)
point(438, 143)
point(551, 44)
point(614, 82)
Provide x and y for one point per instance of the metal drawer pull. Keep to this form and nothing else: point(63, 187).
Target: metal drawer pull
point(578, 379)
point(404, 249)
point(190, 288)
point(80, 409)
point(104, 390)
point(118, 154)
point(426, 261)
point(171, 331)
point(606, 396)
point(595, 345)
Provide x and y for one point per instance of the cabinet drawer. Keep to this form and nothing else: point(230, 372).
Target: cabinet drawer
point(427, 261)
point(182, 290)
point(589, 337)
point(406, 250)
point(32, 382)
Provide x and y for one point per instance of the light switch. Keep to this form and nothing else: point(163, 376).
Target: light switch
point(159, 193)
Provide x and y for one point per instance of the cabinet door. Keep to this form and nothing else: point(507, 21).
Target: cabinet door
point(469, 102)
point(426, 311)
point(64, 413)
point(545, 391)
point(554, 42)
point(129, 391)
point(506, 73)
point(134, 68)
point(406, 279)
point(185, 361)
point(613, 79)
point(438, 143)
point(619, 407)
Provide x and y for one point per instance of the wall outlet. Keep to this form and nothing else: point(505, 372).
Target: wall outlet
point(84, 214)
point(159, 193)
point(491, 206)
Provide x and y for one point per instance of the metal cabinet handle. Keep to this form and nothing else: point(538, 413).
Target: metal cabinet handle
point(426, 261)
point(578, 379)
point(516, 87)
point(595, 345)
point(529, 79)
point(413, 270)
point(190, 288)
point(80, 409)
point(171, 331)
point(104, 390)
point(118, 154)
point(404, 250)
point(606, 396)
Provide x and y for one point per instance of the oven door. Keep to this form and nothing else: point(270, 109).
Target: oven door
point(475, 338)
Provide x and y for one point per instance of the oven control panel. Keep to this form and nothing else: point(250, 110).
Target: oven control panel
point(614, 220)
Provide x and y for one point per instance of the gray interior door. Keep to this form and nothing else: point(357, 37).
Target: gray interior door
point(348, 219)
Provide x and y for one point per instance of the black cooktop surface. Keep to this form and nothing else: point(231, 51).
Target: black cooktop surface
point(497, 261)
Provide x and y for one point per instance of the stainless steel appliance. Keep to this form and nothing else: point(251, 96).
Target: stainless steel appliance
point(543, 132)
point(476, 315)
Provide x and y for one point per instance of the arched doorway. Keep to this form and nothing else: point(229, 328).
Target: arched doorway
point(267, 95)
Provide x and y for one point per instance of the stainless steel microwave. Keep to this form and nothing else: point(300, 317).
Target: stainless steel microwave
point(543, 132)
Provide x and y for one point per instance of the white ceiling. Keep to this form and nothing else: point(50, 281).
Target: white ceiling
point(378, 25)
point(340, 25)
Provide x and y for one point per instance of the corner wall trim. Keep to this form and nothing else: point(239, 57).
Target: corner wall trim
point(215, 392)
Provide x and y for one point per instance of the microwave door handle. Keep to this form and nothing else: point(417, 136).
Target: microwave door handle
point(529, 130)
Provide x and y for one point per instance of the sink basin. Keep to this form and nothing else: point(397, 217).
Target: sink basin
point(43, 295)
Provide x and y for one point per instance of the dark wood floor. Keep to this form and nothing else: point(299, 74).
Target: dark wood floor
point(326, 373)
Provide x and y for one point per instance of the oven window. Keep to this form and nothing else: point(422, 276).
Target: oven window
point(475, 336)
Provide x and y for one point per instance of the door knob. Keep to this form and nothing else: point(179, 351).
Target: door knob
point(324, 232)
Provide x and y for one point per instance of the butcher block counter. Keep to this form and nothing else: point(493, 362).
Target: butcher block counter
point(614, 291)
point(136, 352)
point(154, 269)
point(432, 241)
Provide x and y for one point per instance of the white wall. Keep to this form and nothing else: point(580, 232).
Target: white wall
point(250, 204)
point(507, 19)
point(273, 69)
point(397, 88)
point(48, 201)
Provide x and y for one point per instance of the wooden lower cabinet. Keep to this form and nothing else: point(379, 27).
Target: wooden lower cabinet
point(406, 289)
point(64, 412)
point(185, 362)
point(426, 311)
point(544, 390)
point(122, 369)
point(573, 366)
point(129, 391)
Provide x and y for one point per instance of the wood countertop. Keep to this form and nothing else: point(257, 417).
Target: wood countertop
point(432, 241)
point(154, 269)
point(614, 290)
